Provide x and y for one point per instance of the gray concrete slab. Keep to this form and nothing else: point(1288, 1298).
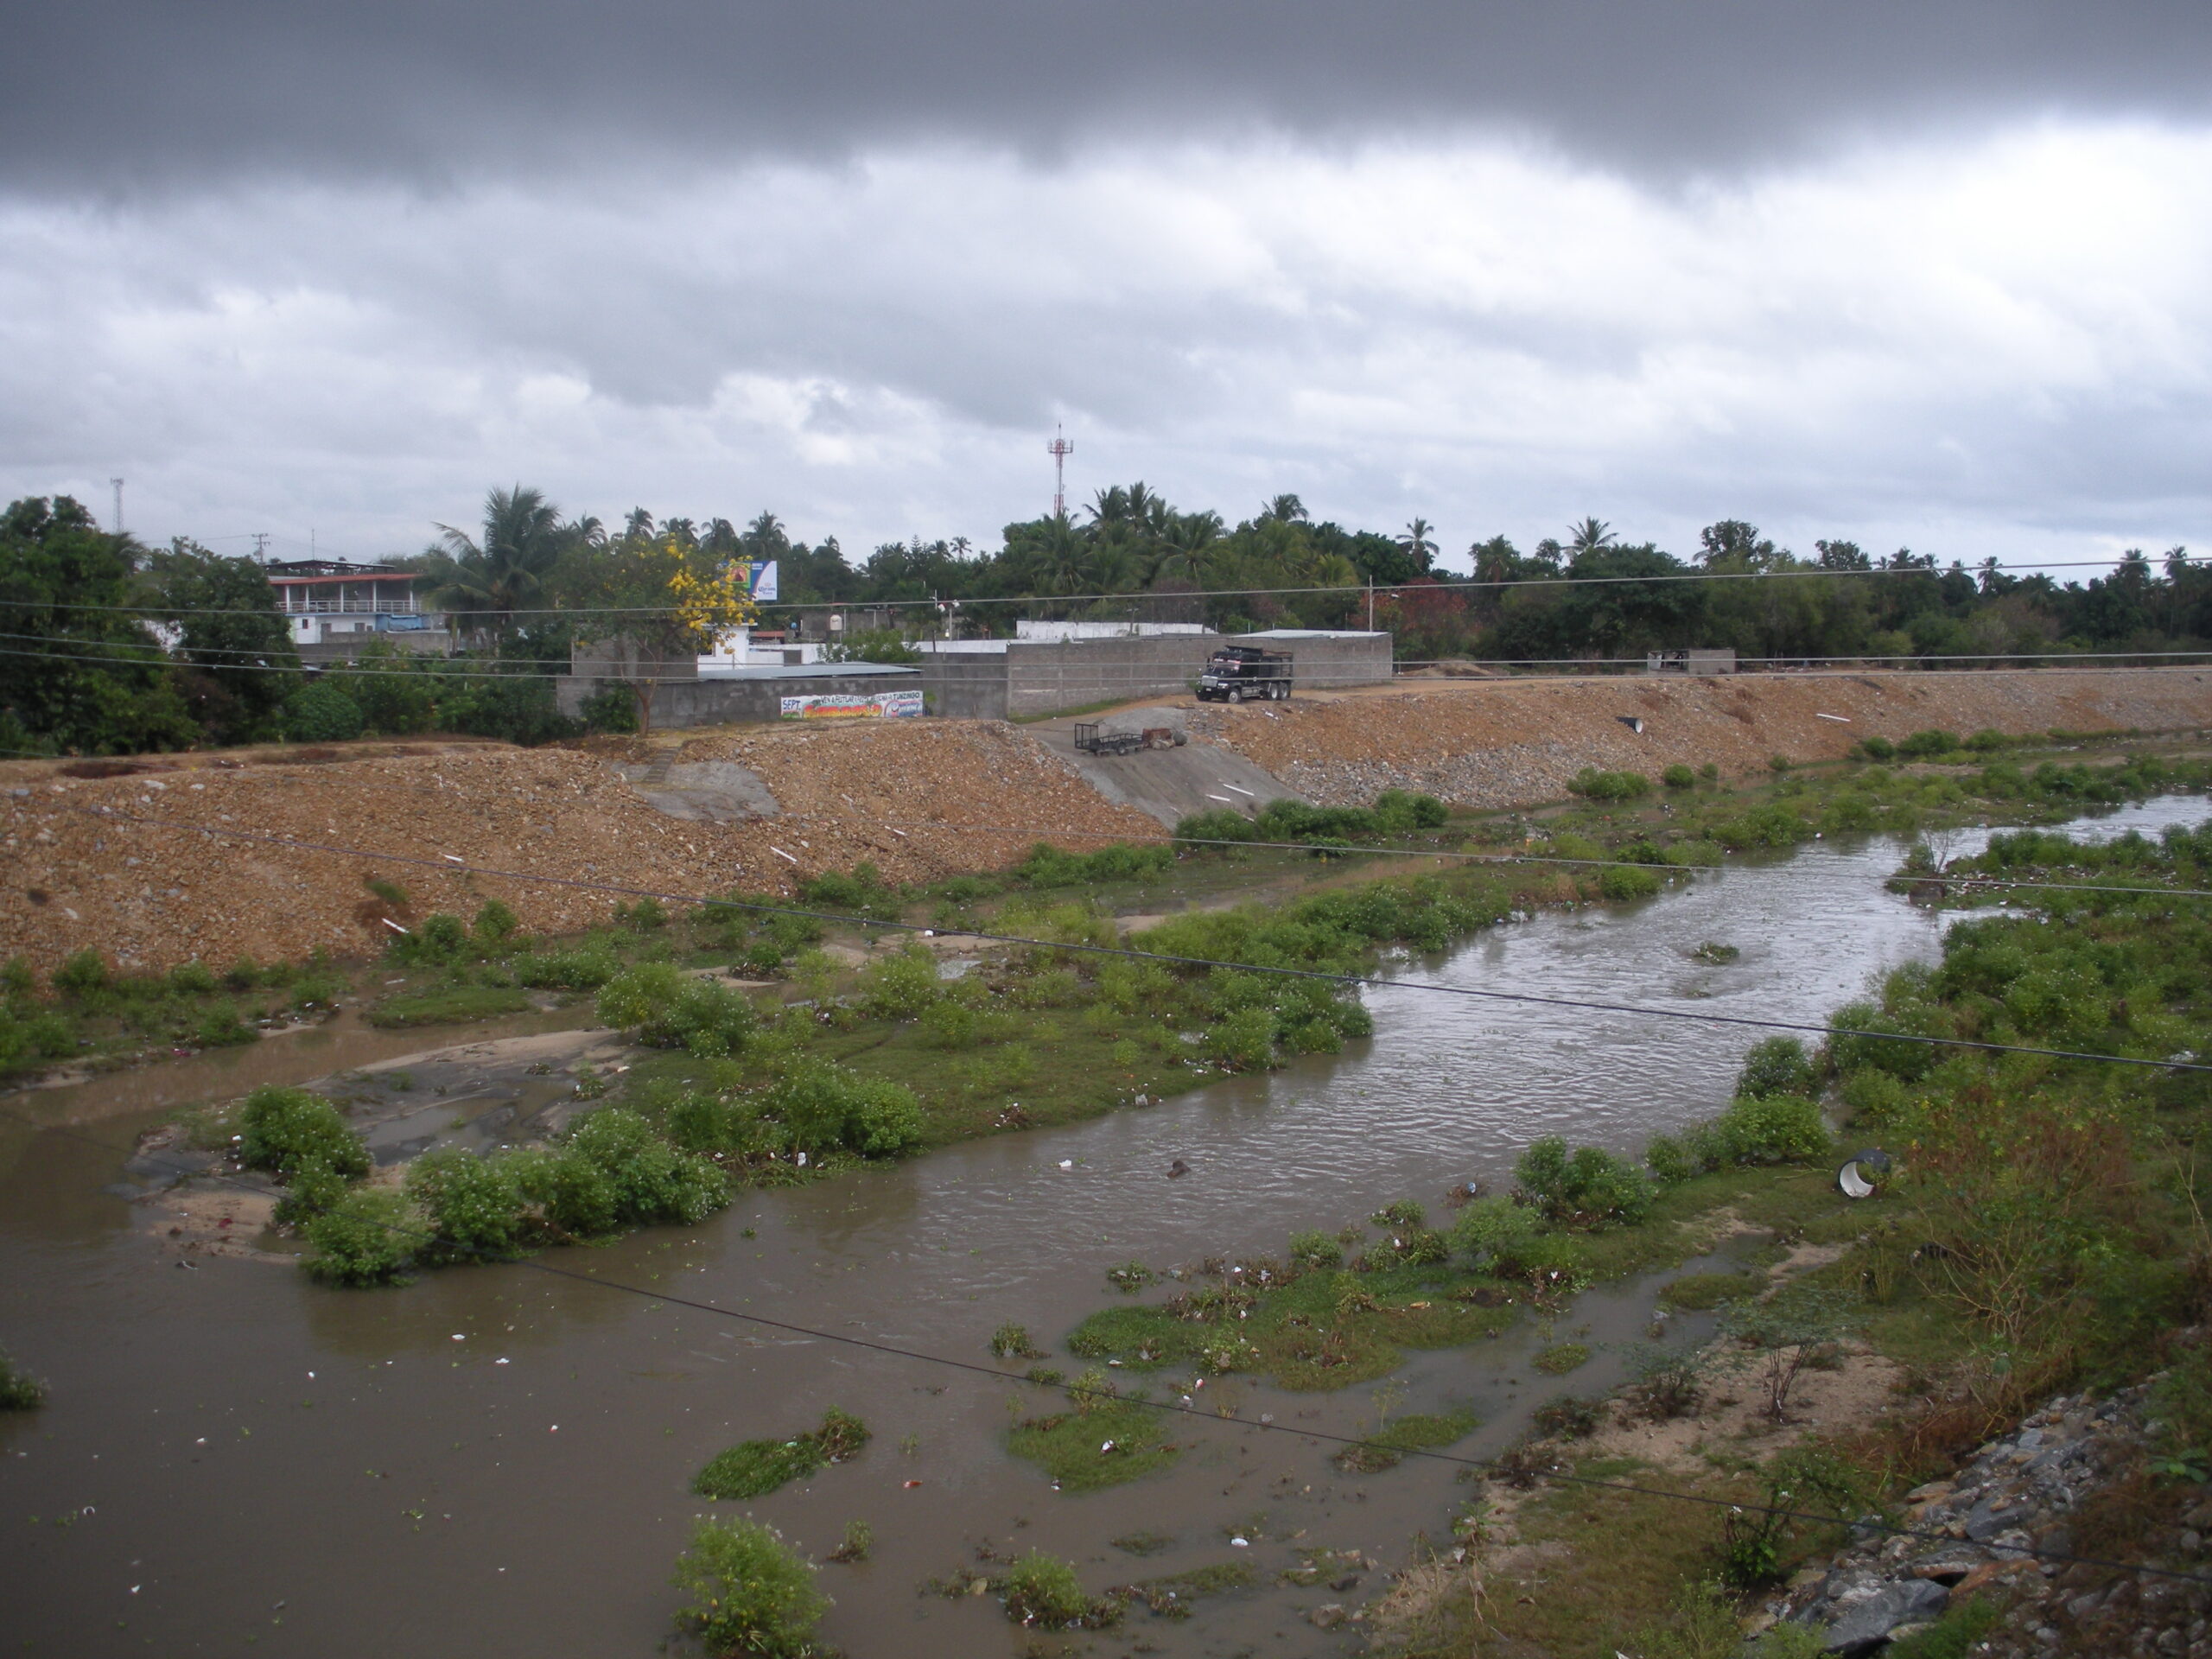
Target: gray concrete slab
point(1167, 783)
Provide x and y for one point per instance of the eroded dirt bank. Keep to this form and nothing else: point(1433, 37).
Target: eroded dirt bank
point(128, 866)
point(1497, 743)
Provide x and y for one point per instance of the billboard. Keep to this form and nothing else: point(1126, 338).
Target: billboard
point(760, 580)
point(883, 705)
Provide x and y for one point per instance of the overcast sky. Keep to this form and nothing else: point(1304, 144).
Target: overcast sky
point(1931, 273)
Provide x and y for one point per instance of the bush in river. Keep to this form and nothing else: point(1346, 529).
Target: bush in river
point(19, 1389)
point(313, 1188)
point(370, 1236)
point(280, 1129)
point(1043, 1590)
point(755, 1468)
point(476, 1205)
point(752, 1593)
point(1778, 1065)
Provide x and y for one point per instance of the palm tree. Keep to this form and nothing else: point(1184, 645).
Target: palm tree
point(489, 583)
point(1186, 547)
point(1418, 542)
point(1591, 535)
point(1285, 509)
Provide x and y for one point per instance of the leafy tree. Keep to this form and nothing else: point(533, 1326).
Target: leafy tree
point(73, 675)
point(243, 667)
point(486, 583)
point(656, 598)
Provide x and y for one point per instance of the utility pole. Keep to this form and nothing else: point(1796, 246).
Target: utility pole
point(1059, 448)
point(118, 504)
point(1370, 601)
point(261, 547)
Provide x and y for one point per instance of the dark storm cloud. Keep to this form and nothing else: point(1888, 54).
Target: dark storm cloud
point(116, 93)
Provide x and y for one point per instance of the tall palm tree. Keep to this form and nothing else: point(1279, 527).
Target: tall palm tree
point(1186, 547)
point(1418, 542)
point(1591, 535)
point(489, 582)
point(1285, 509)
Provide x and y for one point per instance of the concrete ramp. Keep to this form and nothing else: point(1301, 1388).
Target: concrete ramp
point(1167, 783)
point(705, 791)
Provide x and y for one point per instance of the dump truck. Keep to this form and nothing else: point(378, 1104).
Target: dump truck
point(1235, 672)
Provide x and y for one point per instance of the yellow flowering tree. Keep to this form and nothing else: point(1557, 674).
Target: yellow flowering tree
point(658, 600)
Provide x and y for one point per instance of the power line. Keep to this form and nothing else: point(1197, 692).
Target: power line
point(454, 866)
point(1145, 681)
point(1442, 586)
point(659, 1298)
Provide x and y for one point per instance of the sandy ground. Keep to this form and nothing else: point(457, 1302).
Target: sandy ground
point(272, 862)
point(1497, 743)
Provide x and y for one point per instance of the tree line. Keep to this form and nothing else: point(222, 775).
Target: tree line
point(112, 646)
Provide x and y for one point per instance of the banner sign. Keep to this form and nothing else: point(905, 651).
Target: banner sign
point(760, 580)
point(884, 705)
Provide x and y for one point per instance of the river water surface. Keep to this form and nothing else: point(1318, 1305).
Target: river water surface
point(495, 1460)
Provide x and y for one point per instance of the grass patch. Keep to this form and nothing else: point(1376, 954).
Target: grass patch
point(1561, 1357)
point(1087, 1451)
point(1701, 1292)
point(1387, 1447)
point(451, 1007)
point(1171, 1597)
point(19, 1389)
point(755, 1468)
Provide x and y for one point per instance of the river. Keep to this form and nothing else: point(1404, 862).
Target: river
point(495, 1461)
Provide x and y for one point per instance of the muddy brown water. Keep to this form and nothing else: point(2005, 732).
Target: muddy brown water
point(495, 1460)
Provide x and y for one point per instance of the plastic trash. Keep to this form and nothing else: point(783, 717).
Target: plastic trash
point(1067, 1163)
point(1852, 1180)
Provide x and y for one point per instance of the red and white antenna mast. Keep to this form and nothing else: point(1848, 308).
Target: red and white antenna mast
point(1059, 448)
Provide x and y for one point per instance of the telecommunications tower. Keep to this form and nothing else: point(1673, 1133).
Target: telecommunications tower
point(1059, 448)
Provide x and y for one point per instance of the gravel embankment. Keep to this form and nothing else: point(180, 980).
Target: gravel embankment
point(2027, 1491)
point(1501, 743)
point(128, 865)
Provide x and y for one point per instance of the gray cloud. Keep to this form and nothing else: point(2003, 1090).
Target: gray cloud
point(2001, 347)
point(119, 95)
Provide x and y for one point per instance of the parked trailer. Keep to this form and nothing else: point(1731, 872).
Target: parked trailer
point(1235, 672)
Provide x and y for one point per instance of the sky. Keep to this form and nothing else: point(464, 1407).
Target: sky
point(1931, 274)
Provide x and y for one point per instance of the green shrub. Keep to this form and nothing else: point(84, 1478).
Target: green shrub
point(1244, 1041)
point(495, 923)
point(610, 709)
point(436, 942)
point(901, 985)
point(1309, 1250)
point(1987, 740)
point(314, 1190)
point(1597, 785)
point(647, 1179)
point(192, 978)
point(1219, 824)
point(85, 974)
point(222, 1028)
point(1780, 1129)
point(752, 1594)
point(1494, 1231)
point(1778, 1065)
point(19, 1389)
point(1589, 1187)
point(370, 1236)
point(474, 1204)
point(1620, 882)
point(321, 713)
point(280, 1129)
point(1679, 776)
point(1043, 1590)
point(582, 970)
point(668, 1008)
point(825, 1107)
point(1921, 745)
point(1398, 811)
